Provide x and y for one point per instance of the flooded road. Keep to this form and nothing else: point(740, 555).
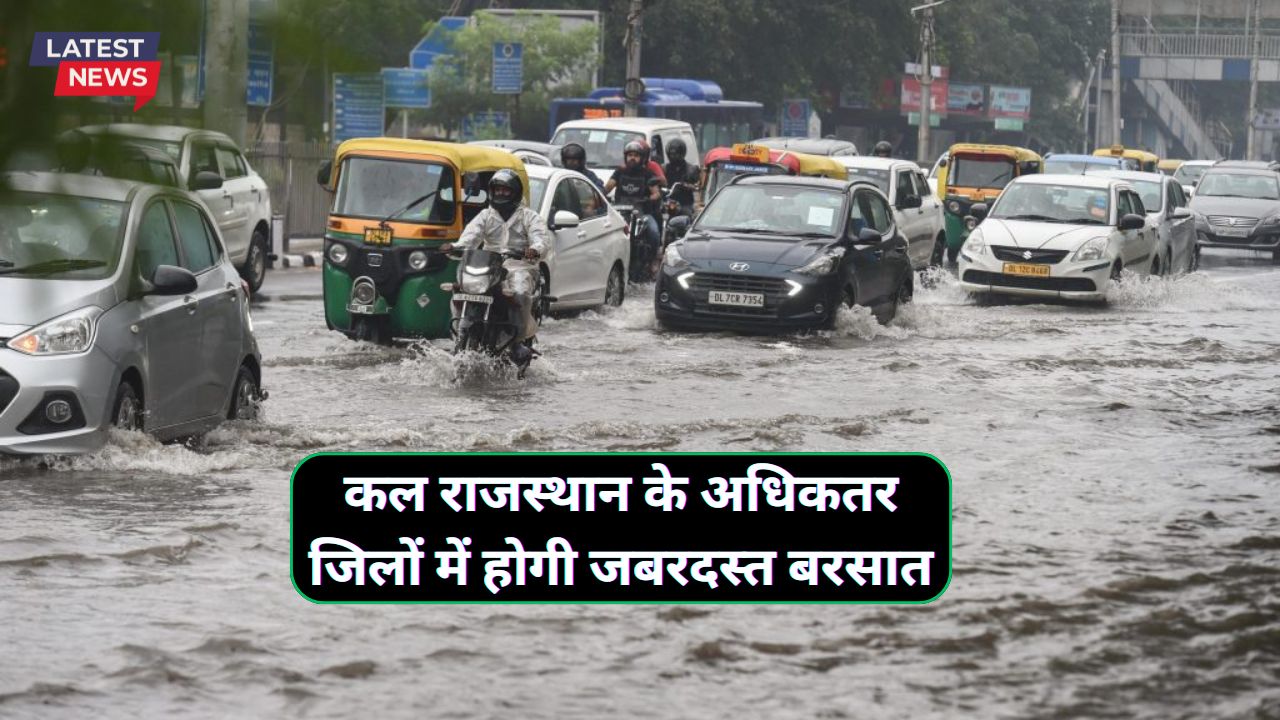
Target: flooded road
point(1116, 521)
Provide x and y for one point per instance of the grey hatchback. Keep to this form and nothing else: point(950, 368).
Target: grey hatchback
point(118, 306)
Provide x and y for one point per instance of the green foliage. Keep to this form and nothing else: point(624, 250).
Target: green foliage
point(555, 63)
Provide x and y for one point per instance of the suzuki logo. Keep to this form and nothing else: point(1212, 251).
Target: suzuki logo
point(1026, 255)
point(739, 267)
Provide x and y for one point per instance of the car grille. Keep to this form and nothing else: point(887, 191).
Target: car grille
point(1056, 284)
point(773, 289)
point(1012, 254)
point(8, 390)
point(1232, 221)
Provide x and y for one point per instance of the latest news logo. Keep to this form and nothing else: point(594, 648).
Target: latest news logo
point(101, 64)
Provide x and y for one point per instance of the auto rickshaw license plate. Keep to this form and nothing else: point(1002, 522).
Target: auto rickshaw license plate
point(1032, 270)
point(377, 236)
point(719, 297)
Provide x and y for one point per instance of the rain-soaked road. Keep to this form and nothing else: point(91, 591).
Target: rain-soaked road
point(1117, 524)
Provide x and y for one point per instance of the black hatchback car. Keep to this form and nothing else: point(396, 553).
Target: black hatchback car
point(783, 253)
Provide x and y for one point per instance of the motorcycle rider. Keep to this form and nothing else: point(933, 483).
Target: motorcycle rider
point(574, 157)
point(638, 186)
point(679, 171)
point(508, 225)
point(882, 149)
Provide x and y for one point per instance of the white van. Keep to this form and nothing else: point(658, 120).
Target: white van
point(604, 139)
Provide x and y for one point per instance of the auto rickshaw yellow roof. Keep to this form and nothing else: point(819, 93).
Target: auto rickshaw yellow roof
point(819, 165)
point(1141, 156)
point(467, 158)
point(1018, 154)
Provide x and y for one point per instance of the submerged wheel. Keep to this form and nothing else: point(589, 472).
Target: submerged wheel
point(1194, 263)
point(244, 397)
point(952, 254)
point(1156, 266)
point(126, 411)
point(887, 312)
point(615, 287)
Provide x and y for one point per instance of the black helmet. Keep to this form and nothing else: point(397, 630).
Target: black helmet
point(676, 149)
point(505, 179)
point(637, 147)
point(882, 149)
point(573, 151)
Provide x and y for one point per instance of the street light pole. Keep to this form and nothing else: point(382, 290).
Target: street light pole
point(631, 98)
point(923, 154)
point(1251, 145)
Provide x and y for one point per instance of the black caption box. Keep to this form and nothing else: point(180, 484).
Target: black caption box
point(383, 527)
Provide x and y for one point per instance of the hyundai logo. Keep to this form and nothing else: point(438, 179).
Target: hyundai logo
point(739, 267)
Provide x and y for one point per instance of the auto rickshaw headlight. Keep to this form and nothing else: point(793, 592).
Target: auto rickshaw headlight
point(338, 254)
point(364, 293)
point(417, 260)
point(954, 206)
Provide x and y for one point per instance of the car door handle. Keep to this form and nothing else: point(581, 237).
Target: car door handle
point(232, 292)
point(581, 234)
point(190, 304)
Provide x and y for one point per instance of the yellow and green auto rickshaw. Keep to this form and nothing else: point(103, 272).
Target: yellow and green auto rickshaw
point(978, 174)
point(395, 202)
point(1141, 159)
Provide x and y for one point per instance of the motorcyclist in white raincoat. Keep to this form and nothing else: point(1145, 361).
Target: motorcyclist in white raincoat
point(508, 225)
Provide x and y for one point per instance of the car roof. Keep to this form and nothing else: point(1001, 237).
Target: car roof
point(626, 123)
point(1092, 180)
point(89, 186)
point(174, 133)
point(1132, 175)
point(1197, 163)
point(1090, 159)
point(543, 172)
point(796, 180)
point(871, 162)
point(543, 148)
point(813, 146)
point(1250, 164)
point(1237, 169)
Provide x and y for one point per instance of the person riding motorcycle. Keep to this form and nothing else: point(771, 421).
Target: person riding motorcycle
point(508, 225)
point(679, 171)
point(574, 157)
point(882, 149)
point(637, 185)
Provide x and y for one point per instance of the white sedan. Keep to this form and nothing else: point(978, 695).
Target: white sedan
point(587, 264)
point(1066, 236)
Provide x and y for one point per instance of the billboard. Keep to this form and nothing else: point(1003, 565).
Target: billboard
point(1010, 102)
point(966, 99)
point(910, 98)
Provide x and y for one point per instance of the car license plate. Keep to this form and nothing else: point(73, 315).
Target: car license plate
point(1022, 269)
point(465, 297)
point(377, 236)
point(719, 297)
point(1232, 232)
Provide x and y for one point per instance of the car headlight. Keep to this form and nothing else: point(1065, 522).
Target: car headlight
point(1095, 249)
point(824, 264)
point(673, 259)
point(476, 284)
point(64, 335)
point(975, 245)
point(417, 260)
point(1273, 220)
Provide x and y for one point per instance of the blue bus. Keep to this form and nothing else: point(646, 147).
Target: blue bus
point(700, 103)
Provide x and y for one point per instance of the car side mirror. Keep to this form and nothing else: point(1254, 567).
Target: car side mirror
point(908, 202)
point(869, 236)
point(172, 280)
point(205, 180)
point(1132, 221)
point(564, 219)
point(1180, 213)
point(324, 173)
point(979, 211)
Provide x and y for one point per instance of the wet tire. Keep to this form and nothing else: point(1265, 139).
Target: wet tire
point(1194, 263)
point(953, 253)
point(887, 312)
point(1157, 267)
point(1275, 256)
point(255, 264)
point(244, 397)
point(615, 287)
point(939, 251)
point(126, 410)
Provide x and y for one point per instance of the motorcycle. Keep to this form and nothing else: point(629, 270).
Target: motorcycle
point(486, 317)
point(676, 220)
point(643, 266)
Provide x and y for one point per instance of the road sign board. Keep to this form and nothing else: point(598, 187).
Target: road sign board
point(508, 68)
point(358, 109)
point(795, 118)
point(261, 60)
point(913, 118)
point(406, 88)
point(1008, 124)
point(474, 122)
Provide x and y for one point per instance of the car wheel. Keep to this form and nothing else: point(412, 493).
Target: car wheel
point(888, 311)
point(952, 254)
point(126, 411)
point(244, 397)
point(939, 251)
point(1194, 263)
point(615, 287)
point(255, 265)
point(1275, 256)
point(1116, 270)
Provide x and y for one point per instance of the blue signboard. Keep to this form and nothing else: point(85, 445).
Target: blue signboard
point(508, 68)
point(437, 42)
point(261, 61)
point(795, 118)
point(406, 88)
point(358, 110)
point(494, 119)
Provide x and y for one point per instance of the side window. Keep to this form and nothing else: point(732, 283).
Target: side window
point(1177, 198)
point(1123, 207)
point(203, 159)
point(657, 145)
point(857, 214)
point(197, 246)
point(155, 241)
point(241, 164)
point(230, 167)
point(565, 199)
point(691, 148)
point(589, 201)
point(922, 185)
point(879, 212)
point(905, 187)
point(1136, 203)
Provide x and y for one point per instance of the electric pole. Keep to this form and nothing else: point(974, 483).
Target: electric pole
point(634, 87)
point(226, 67)
point(1251, 144)
point(1115, 72)
point(923, 154)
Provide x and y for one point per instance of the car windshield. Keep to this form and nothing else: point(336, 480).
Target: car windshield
point(1187, 174)
point(604, 147)
point(537, 187)
point(376, 188)
point(720, 174)
point(980, 172)
point(172, 149)
point(1225, 184)
point(1054, 203)
point(1151, 194)
point(879, 177)
point(773, 209)
point(62, 236)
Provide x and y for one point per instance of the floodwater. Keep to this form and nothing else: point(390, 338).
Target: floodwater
point(1116, 520)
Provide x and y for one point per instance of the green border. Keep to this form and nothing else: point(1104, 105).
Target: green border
point(950, 533)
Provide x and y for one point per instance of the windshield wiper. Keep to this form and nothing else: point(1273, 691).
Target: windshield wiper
point(1044, 218)
point(383, 223)
point(53, 266)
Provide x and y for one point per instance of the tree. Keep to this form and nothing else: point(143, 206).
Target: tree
point(555, 62)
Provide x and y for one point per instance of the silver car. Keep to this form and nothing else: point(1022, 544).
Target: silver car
point(118, 306)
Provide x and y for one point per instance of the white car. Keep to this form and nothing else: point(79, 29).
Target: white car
point(1188, 174)
point(241, 206)
point(587, 264)
point(916, 210)
point(604, 138)
point(1167, 210)
point(1066, 236)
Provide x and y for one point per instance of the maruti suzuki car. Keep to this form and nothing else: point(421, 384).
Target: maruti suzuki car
point(118, 306)
point(774, 252)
